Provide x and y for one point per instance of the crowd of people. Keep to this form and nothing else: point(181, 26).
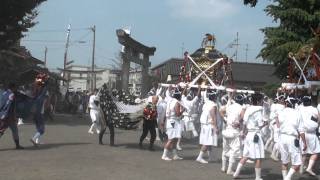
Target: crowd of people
point(287, 126)
point(249, 124)
point(76, 102)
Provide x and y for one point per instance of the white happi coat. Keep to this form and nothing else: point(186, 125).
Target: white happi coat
point(94, 109)
point(231, 135)
point(253, 120)
point(291, 124)
point(310, 126)
point(173, 123)
point(275, 109)
point(161, 111)
point(207, 134)
point(188, 118)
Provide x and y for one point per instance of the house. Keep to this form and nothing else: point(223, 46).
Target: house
point(79, 77)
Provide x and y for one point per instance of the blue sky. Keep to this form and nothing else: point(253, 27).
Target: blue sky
point(168, 25)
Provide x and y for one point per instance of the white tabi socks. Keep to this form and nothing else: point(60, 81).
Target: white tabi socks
point(175, 155)
point(223, 164)
point(284, 173)
point(258, 173)
point(274, 154)
point(157, 133)
point(239, 167)
point(165, 155)
point(195, 133)
point(91, 129)
point(200, 158)
point(35, 139)
point(310, 166)
point(178, 145)
point(290, 173)
point(230, 166)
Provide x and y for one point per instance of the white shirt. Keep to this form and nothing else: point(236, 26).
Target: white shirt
point(275, 109)
point(92, 105)
point(253, 118)
point(170, 110)
point(205, 115)
point(189, 105)
point(290, 122)
point(161, 110)
point(307, 112)
point(233, 113)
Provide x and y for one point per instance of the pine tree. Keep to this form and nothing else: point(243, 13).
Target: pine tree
point(16, 17)
point(295, 19)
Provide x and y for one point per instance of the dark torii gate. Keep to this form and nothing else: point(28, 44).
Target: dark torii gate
point(137, 53)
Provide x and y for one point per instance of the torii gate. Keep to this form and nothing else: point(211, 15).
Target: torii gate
point(132, 53)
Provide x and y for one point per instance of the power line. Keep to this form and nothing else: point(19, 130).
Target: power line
point(42, 40)
point(57, 30)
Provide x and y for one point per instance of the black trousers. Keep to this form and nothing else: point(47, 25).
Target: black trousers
point(12, 124)
point(149, 125)
point(111, 129)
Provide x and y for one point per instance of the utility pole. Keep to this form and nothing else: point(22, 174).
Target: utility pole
point(247, 49)
point(45, 56)
point(237, 45)
point(66, 55)
point(93, 74)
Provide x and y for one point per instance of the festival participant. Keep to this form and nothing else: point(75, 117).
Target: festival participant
point(253, 143)
point(265, 131)
point(8, 114)
point(275, 109)
point(108, 107)
point(291, 127)
point(94, 105)
point(173, 125)
point(189, 103)
point(208, 126)
point(149, 122)
point(40, 97)
point(161, 118)
point(310, 117)
point(160, 112)
point(233, 114)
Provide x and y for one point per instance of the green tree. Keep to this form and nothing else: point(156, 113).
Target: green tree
point(16, 17)
point(252, 3)
point(295, 18)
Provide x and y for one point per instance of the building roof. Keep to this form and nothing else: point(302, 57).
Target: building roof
point(167, 61)
point(253, 72)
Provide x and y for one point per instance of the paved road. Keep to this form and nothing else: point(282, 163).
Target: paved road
point(70, 153)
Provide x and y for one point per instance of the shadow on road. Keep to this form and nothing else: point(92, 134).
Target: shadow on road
point(54, 145)
point(45, 146)
point(136, 146)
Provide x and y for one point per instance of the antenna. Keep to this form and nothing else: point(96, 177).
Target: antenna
point(182, 49)
point(247, 49)
point(236, 45)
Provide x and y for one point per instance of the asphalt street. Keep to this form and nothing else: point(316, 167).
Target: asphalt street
point(68, 152)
